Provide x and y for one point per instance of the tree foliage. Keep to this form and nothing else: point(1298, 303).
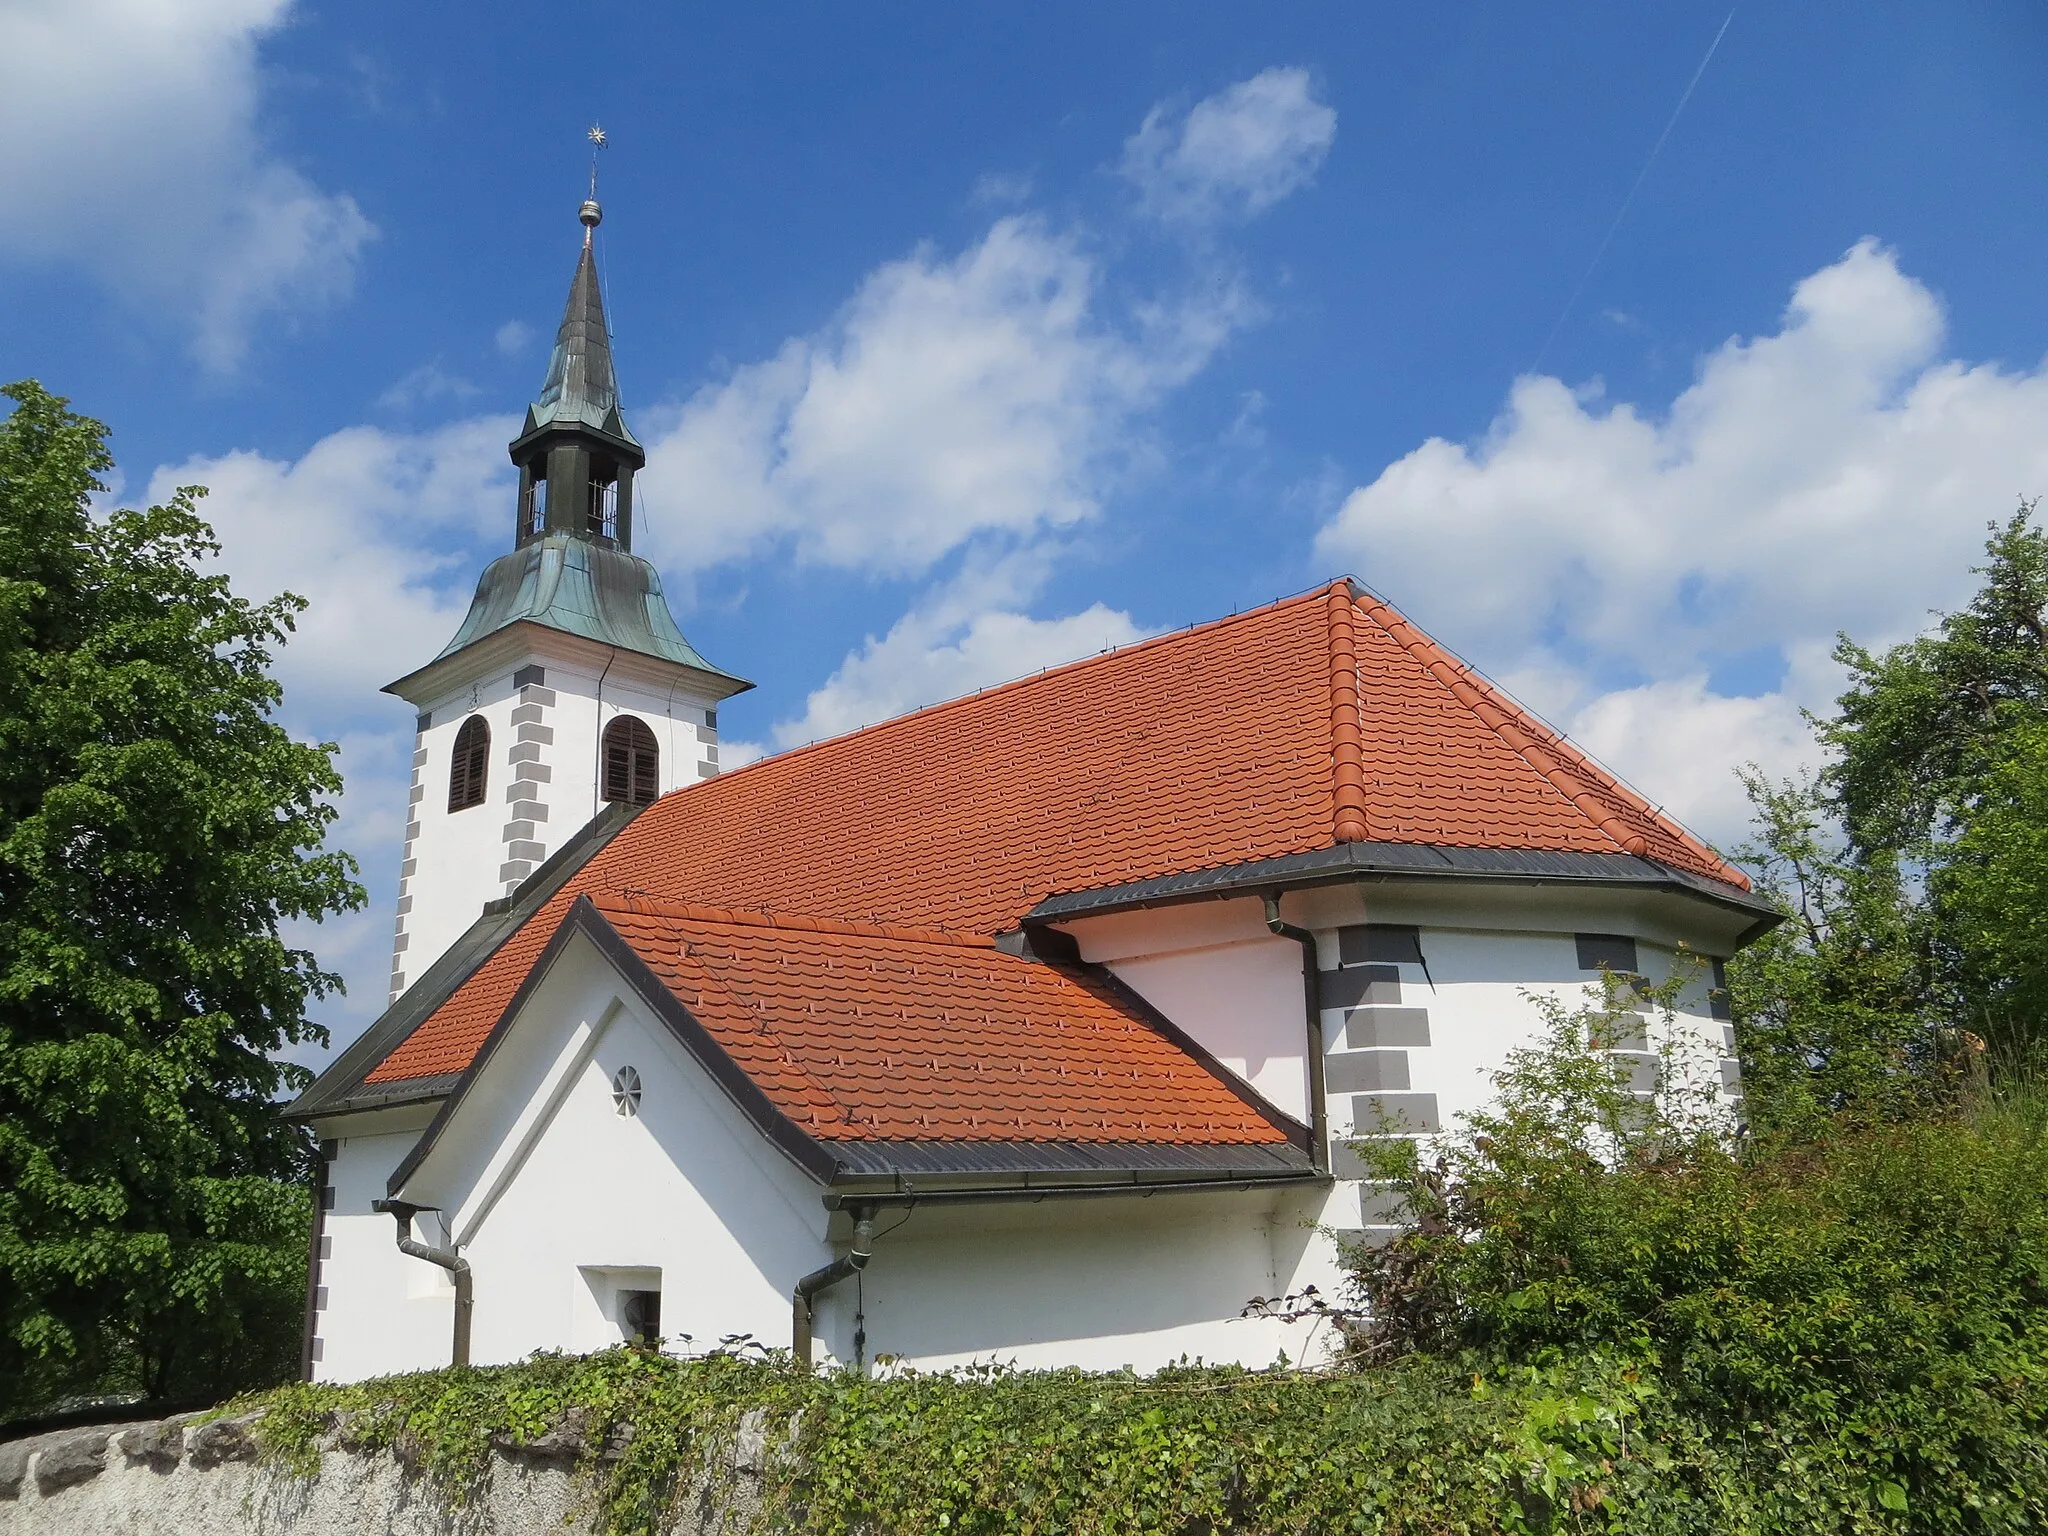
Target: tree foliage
point(1914, 865)
point(157, 826)
point(1872, 1286)
point(1834, 1006)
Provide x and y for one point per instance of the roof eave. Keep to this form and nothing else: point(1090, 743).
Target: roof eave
point(1134, 1183)
point(341, 1089)
point(1346, 862)
point(413, 687)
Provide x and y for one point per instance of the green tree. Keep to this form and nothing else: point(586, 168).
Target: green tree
point(1834, 1005)
point(1922, 724)
point(1915, 866)
point(157, 826)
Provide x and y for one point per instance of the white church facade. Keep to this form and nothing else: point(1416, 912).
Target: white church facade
point(1032, 1027)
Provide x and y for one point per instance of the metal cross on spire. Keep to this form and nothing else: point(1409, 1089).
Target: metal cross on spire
point(591, 214)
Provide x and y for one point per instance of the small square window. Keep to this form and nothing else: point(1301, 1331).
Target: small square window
point(1380, 943)
point(1607, 952)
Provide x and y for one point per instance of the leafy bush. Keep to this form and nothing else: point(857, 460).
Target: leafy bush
point(1591, 1442)
point(1872, 1287)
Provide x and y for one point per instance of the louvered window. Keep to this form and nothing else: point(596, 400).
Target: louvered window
point(472, 765)
point(632, 762)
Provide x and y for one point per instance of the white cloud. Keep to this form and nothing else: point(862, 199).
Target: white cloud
point(1679, 742)
point(965, 635)
point(514, 337)
point(951, 398)
point(379, 531)
point(135, 151)
point(384, 534)
point(1233, 154)
point(423, 386)
point(1834, 475)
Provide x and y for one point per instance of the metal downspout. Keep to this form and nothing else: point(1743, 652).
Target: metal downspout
point(456, 1265)
point(824, 1278)
point(1312, 1002)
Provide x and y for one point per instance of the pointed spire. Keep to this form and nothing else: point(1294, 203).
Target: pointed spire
point(575, 455)
point(581, 389)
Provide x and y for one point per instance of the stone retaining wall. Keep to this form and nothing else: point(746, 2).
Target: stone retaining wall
point(177, 1478)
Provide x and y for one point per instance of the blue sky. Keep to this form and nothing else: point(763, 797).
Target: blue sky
point(969, 341)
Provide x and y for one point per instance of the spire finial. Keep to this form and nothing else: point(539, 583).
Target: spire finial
point(591, 214)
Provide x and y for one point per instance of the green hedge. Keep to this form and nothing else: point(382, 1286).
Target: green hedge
point(1429, 1445)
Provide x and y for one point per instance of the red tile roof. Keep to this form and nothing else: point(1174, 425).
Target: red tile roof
point(1321, 719)
point(858, 1031)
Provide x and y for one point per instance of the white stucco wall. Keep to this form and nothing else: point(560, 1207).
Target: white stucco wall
point(544, 770)
point(1096, 1283)
point(382, 1311)
point(559, 1202)
point(1213, 968)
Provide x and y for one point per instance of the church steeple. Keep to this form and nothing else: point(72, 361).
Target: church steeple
point(576, 456)
point(568, 690)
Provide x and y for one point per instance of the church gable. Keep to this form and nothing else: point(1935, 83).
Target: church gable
point(858, 1032)
point(860, 1052)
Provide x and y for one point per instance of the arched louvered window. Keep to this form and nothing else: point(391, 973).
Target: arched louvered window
point(632, 762)
point(472, 765)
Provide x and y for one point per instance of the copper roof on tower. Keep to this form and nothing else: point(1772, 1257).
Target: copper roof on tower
point(582, 588)
point(581, 390)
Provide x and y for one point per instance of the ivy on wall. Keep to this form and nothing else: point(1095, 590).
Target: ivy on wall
point(1427, 1446)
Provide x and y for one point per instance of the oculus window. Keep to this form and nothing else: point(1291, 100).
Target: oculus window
point(626, 1092)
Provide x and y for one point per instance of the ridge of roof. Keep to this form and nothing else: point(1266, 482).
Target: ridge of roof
point(1349, 822)
point(643, 905)
point(1541, 745)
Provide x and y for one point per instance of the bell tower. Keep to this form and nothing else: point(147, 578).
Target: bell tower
point(576, 457)
point(569, 688)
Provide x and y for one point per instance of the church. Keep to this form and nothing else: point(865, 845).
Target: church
point(1034, 1027)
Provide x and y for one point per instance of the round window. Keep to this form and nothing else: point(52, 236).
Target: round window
point(626, 1092)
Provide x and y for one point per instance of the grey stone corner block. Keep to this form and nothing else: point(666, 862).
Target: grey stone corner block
point(1395, 1114)
point(1367, 1071)
point(1372, 1028)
